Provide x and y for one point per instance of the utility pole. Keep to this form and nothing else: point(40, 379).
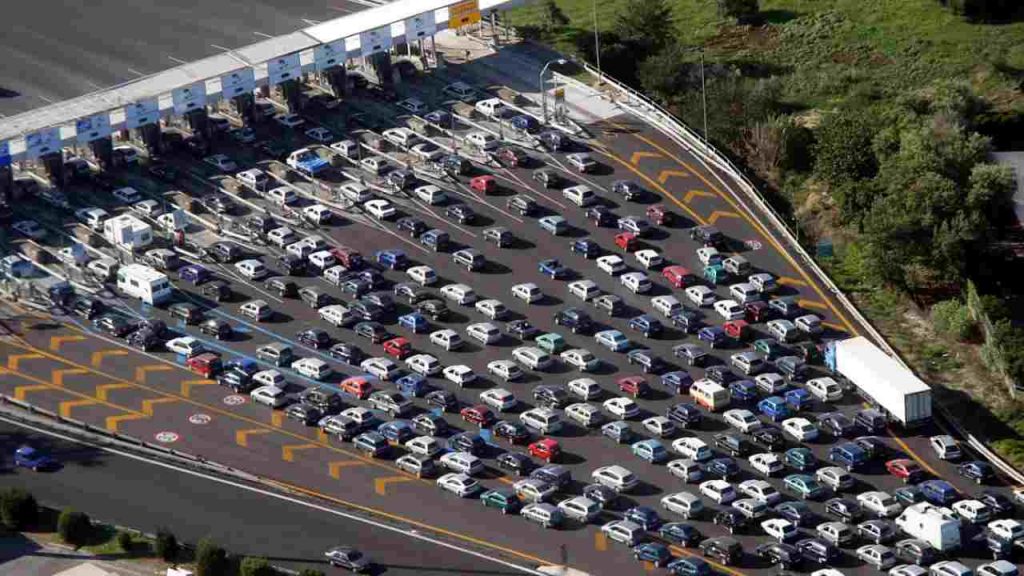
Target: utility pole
point(704, 95)
point(597, 43)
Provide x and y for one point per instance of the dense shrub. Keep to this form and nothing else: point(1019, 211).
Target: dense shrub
point(18, 509)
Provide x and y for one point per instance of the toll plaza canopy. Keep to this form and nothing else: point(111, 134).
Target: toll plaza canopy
point(191, 86)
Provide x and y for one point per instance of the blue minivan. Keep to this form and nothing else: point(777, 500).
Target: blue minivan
point(435, 239)
point(392, 259)
point(848, 455)
point(774, 407)
point(939, 492)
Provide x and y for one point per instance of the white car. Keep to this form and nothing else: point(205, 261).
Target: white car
point(1007, 528)
point(430, 194)
point(621, 407)
point(356, 191)
point(507, 370)
point(636, 282)
point(615, 477)
point(532, 357)
point(459, 374)
point(380, 209)
point(741, 419)
point(780, 529)
point(729, 310)
point(447, 338)
point(533, 490)
point(360, 415)
point(427, 151)
point(580, 508)
point(880, 503)
point(380, 367)
point(770, 382)
point(585, 388)
point(493, 309)
point(289, 120)
point(692, 448)
point(659, 426)
point(685, 469)
point(269, 378)
point(148, 208)
point(185, 345)
point(700, 295)
point(584, 289)
point(424, 364)
point(581, 359)
point(649, 258)
point(760, 490)
point(221, 162)
point(612, 264)
point(272, 396)
point(483, 140)
point(30, 229)
point(623, 532)
point(666, 305)
point(824, 389)
point(527, 292)
point(320, 134)
point(92, 217)
point(767, 463)
point(708, 254)
point(499, 398)
point(484, 332)
point(425, 446)
point(800, 429)
point(459, 484)
point(461, 294)
point(312, 368)
point(972, 511)
point(586, 415)
point(718, 491)
point(423, 275)
point(462, 462)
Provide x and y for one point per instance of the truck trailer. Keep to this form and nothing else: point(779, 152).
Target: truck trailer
point(926, 522)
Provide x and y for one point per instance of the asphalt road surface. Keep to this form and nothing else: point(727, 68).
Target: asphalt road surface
point(65, 366)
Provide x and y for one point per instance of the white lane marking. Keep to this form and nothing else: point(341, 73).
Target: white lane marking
point(221, 48)
point(262, 34)
point(310, 22)
point(574, 173)
point(347, 515)
point(249, 284)
point(134, 71)
point(178, 60)
point(45, 99)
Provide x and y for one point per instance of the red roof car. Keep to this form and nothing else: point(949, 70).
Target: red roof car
point(757, 311)
point(905, 469)
point(484, 184)
point(356, 386)
point(478, 414)
point(735, 329)
point(206, 364)
point(546, 449)
point(398, 348)
point(678, 276)
point(626, 241)
point(633, 385)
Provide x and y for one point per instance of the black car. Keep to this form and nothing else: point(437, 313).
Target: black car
point(646, 360)
point(461, 213)
point(114, 325)
point(314, 297)
point(381, 300)
point(523, 205)
point(225, 252)
point(551, 396)
point(218, 204)
point(516, 462)
point(818, 551)
point(874, 446)
point(468, 442)
point(501, 237)
point(553, 140)
point(780, 553)
point(144, 339)
point(216, 327)
point(720, 374)
point(347, 353)
point(326, 401)
point(838, 424)
point(514, 432)
point(601, 216)
point(87, 308)
point(217, 290)
point(259, 224)
point(681, 534)
point(367, 311)
point(292, 265)
point(430, 424)
point(732, 444)
point(797, 512)
point(918, 552)
point(725, 550)
point(684, 415)
point(305, 413)
point(238, 382)
point(372, 330)
point(314, 338)
point(433, 309)
point(845, 509)
point(708, 236)
point(977, 470)
point(601, 494)
point(575, 319)
point(769, 437)
point(414, 226)
point(186, 311)
point(522, 329)
point(283, 287)
point(998, 503)
point(547, 177)
point(724, 468)
point(732, 520)
point(442, 399)
point(411, 293)
point(689, 321)
point(871, 420)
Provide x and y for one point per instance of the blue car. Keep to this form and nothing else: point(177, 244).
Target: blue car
point(976, 470)
point(415, 322)
point(587, 248)
point(654, 552)
point(392, 259)
point(29, 457)
point(246, 366)
point(713, 335)
point(647, 325)
point(677, 382)
point(647, 518)
point(689, 567)
point(743, 390)
point(798, 399)
point(396, 431)
point(413, 385)
point(525, 122)
point(681, 534)
point(724, 468)
point(552, 268)
point(372, 443)
point(651, 450)
point(613, 340)
point(774, 407)
point(194, 274)
point(939, 492)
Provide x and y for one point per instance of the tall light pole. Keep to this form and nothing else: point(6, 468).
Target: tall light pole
point(703, 94)
point(543, 92)
point(597, 42)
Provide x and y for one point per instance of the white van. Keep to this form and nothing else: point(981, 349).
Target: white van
point(254, 178)
point(744, 292)
point(580, 195)
point(336, 314)
point(282, 195)
point(356, 192)
point(314, 368)
point(430, 194)
point(491, 107)
point(543, 420)
point(483, 140)
point(252, 269)
point(710, 394)
point(459, 293)
point(144, 283)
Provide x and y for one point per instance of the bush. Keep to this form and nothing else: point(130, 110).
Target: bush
point(952, 318)
point(18, 509)
point(167, 546)
point(124, 541)
point(252, 566)
point(211, 559)
point(74, 527)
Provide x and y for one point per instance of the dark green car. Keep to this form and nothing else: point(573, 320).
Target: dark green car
point(504, 500)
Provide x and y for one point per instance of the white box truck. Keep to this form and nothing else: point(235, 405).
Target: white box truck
point(926, 522)
point(144, 283)
point(881, 380)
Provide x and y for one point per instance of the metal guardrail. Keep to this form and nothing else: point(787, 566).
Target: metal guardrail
point(660, 118)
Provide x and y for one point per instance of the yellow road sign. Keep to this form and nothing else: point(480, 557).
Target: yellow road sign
point(463, 14)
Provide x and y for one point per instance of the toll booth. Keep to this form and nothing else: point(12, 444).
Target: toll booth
point(103, 150)
point(53, 164)
point(337, 80)
point(244, 106)
point(380, 63)
point(291, 93)
point(6, 188)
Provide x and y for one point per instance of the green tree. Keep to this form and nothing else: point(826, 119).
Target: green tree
point(211, 559)
point(990, 196)
point(124, 541)
point(253, 566)
point(167, 547)
point(951, 317)
point(744, 11)
point(843, 151)
point(668, 72)
point(18, 509)
point(647, 26)
point(552, 16)
point(74, 527)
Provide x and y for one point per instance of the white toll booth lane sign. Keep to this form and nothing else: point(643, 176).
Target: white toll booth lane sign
point(374, 41)
point(141, 113)
point(419, 27)
point(92, 128)
point(329, 55)
point(238, 83)
point(189, 98)
point(44, 142)
point(285, 68)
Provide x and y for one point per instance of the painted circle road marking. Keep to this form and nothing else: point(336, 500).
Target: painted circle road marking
point(200, 419)
point(166, 437)
point(234, 400)
point(752, 244)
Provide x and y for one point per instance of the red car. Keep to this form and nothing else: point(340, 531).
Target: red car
point(678, 276)
point(635, 386)
point(484, 184)
point(905, 469)
point(756, 311)
point(206, 364)
point(398, 348)
point(479, 414)
point(627, 241)
point(659, 215)
point(546, 449)
point(356, 386)
point(350, 258)
point(736, 329)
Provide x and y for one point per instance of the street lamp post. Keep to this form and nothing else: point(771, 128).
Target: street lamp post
point(597, 43)
point(704, 95)
point(543, 92)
